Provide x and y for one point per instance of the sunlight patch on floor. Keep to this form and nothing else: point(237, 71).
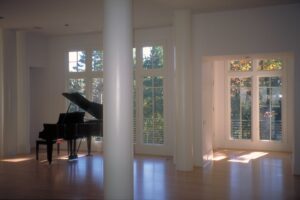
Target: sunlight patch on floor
point(66, 157)
point(247, 157)
point(219, 156)
point(15, 160)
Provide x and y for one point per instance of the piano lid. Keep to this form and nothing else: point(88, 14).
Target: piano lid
point(93, 108)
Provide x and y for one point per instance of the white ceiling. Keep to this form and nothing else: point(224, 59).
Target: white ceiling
point(57, 17)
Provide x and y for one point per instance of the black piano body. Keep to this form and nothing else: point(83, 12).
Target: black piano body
point(71, 126)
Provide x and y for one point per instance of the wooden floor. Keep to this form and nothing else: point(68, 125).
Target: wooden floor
point(233, 175)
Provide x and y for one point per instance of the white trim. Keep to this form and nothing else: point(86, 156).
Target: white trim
point(254, 75)
point(144, 38)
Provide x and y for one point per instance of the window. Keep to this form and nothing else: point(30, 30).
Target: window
point(153, 57)
point(152, 95)
point(85, 75)
point(256, 93)
point(77, 60)
point(153, 110)
point(242, 65)
point(97, 61)
point(270, 111)
point(240, 100)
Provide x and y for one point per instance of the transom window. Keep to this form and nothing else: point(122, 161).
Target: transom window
point(256, 94)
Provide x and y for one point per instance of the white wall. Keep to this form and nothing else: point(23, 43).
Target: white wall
point(38, 101)
point(22, 101)
point(207, 113)
point(250, 31)
point(14, 94)
point(10, 93)
point(37, 50)
point(37, 62)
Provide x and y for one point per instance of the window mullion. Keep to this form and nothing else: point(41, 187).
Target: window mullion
point(255, 108)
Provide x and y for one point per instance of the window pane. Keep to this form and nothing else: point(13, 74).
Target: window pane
point(241, 115)
point(134, 56)
point(158, 81)
point(242, 65)
point(153, 57)
point(97, 60)
point(97, 90)
point(153, 110)
point(270, 64)
point(148, 81)
point(158, 102)
point(77, 60)
point(76, 85)
point(270, 98)
point(72, 56)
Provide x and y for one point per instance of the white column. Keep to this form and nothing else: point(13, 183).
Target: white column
point(118, 99)
point(183, 81)
point(1, 94)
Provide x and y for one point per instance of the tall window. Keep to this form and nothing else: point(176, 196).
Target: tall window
point(270, 95)
point(261, 79)
point(85, 74)
point(153, 97)
point(153, 110)
point(240, 101)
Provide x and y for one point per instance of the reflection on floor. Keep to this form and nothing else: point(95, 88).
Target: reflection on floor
point(232, 175)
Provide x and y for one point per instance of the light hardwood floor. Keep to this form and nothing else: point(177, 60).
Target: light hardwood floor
point(233, 175)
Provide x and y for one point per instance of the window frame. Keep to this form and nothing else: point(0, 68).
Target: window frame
point(140, 73)
point(255, 74)
point(87, 75)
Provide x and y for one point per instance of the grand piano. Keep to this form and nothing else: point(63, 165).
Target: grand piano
point(72, 126)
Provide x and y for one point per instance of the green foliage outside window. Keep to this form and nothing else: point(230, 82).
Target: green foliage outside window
point(270, 64)
point(77, 61)
point(153, 57)
point(76, 85)
point(97, 90)
point(270, 102)
point(97, 60)
point(241, 108)
point(153, 110)
point(242, 65)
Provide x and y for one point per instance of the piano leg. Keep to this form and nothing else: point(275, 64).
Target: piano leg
point(49, 151)
point(72, 153)
point(69, 147)
point(74, 149)
point(89, 142)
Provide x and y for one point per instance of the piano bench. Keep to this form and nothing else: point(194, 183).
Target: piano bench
point(44, 142)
